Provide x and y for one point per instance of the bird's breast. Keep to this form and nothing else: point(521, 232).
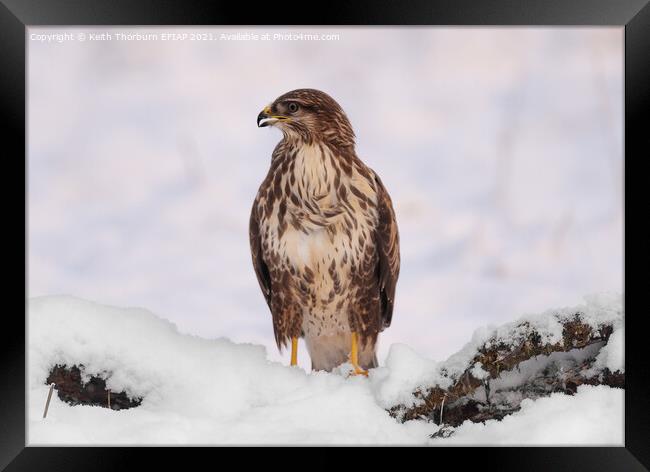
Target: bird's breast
point(322, 216)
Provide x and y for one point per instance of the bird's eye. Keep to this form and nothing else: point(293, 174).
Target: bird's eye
point(293, 107)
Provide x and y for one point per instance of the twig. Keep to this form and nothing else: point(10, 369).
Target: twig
point(47, 403)
point(442, 405)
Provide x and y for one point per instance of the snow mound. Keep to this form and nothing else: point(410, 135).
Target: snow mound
point(213, 391)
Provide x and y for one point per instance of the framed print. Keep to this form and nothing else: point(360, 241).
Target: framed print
point(392, 225)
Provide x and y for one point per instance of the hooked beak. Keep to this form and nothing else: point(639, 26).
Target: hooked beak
point(266, 118)
point(263, 118)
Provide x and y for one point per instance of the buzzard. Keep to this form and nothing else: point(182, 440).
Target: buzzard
point(323, 236)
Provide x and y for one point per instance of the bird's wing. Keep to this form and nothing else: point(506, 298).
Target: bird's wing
point(387, 241)
point(261, 269)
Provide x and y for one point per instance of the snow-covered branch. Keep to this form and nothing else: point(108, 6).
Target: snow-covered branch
point(554, 352)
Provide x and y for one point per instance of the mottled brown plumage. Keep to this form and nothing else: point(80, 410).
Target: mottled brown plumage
point(323, 234)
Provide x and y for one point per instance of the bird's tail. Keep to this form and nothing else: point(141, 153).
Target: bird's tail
point(368, 365)
point(373, 362)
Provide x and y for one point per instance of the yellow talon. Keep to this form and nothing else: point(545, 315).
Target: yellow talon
point(294, 351)
point(354, 357)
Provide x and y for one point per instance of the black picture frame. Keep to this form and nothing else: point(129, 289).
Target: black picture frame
point(16, 15)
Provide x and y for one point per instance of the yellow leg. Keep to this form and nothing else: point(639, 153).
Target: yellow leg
point(294, 351)
point(354, 357)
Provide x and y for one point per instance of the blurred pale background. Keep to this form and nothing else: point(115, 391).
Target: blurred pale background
point(501, 148)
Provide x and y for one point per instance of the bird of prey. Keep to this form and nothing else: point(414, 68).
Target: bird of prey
point(323, 236)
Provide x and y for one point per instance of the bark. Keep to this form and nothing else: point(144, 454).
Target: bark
point(71, 389)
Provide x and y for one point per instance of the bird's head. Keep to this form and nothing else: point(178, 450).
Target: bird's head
point(308, 115)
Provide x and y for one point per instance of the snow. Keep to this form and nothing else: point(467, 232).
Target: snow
point(611, 356)
point(214, 391)
point(479, 372)
point(403, 372)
